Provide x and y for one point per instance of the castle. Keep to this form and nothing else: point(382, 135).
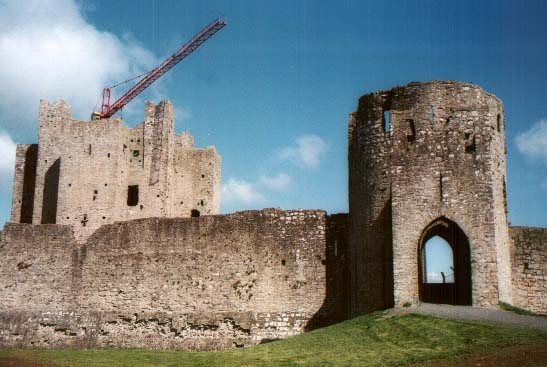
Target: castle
point(87, 174)
point(106, 245)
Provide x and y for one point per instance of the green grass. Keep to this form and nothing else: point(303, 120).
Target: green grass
point(371, 340)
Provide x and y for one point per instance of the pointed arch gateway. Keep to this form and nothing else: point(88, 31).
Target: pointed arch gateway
point(448, 287)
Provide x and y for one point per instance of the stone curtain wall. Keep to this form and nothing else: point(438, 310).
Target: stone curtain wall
point(80, 172)
point(187, 283)
point(418, 153)
point(529, 260)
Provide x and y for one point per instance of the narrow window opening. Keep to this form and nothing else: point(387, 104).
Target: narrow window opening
point(283, 262)
point(95, 192)
point(410, 131)
point(470, 146)
point(142, 206)
point(387, 121)
point(194, 213)
point(441, 188)
point(136, 153)
point(84, 221)
point(138, 140)
point(106, 184)
point(104, 217)
point(108, 155)
point(69, 184)
point(202, 176)
point(89, 150)
point(526, 266)
point(132, 195)
point(431, 114)
point(498, 123)
point(335, 248)
point(181, 203)
point(201, 202)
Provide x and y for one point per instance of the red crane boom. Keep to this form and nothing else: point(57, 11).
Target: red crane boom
point(108, 110)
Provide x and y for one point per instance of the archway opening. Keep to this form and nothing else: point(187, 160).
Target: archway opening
point(444, 264)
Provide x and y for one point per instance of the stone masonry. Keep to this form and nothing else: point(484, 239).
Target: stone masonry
point(529, 260)
point(183, 283)
point(87, 174)
point(417, 154)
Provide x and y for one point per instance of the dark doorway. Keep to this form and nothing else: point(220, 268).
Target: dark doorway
point(51, 193)
point(444, 270)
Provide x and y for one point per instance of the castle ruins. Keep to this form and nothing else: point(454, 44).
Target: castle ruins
point(115, 238)
point(87, 174)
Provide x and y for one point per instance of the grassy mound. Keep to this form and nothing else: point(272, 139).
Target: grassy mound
point(372, 340)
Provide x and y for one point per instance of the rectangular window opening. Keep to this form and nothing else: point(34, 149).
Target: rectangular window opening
point(410, 131)
point(132, 195)
point(387, 121)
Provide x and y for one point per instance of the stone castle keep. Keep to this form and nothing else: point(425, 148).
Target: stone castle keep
point(115, 237)
point(87, 174)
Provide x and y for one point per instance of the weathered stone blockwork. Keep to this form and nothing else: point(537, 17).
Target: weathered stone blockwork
point(80, 173)
point(529, 260)
point(186, 283)
point(419, 153)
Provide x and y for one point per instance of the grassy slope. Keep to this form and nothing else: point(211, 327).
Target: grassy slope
point(369, 340)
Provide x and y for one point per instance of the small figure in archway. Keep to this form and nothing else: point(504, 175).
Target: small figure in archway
point(437, 286)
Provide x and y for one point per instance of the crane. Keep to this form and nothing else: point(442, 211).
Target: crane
point(107, 109)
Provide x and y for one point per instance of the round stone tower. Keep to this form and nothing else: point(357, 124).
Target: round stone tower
point(425, 160)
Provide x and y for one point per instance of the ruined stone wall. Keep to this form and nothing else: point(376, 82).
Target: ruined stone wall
point(84, 171)
point(441, 155)
point(183, 283)
point(24, 183)
point(529, 261)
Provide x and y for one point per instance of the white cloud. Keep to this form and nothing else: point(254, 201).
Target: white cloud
point(533, 142)
point(49, 51)
point(280, 182)
point(306, 153)
point(182, 113)
point(7, 165)
point(236, 192)
point(7, 152)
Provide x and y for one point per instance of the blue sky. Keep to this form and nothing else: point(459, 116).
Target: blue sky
point(272, 90)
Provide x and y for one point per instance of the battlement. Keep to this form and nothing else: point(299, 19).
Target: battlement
point(87, 174)
point(440, 105)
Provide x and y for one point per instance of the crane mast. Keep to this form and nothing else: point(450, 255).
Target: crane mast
point(107, 109)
